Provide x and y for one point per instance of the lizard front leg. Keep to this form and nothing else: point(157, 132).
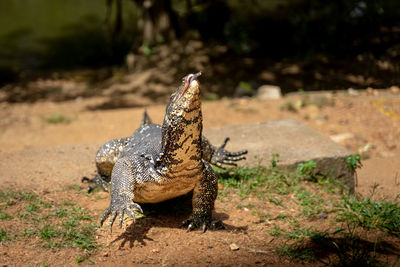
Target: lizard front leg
point(219, 156)
point(204, 195)
point(123, 181)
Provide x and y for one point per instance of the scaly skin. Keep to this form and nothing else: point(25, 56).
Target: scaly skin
point(160, 163)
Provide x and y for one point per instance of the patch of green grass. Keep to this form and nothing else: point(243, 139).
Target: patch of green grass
point(30, 231)
point(311, 203)
point(276, 201)
point(307, 170)
point(370, 214)
point(282, 216)
point(32, 208)
point(10, 197)
point(289, 106)
point(84, 257)
point(60, 213)
point(5, 216)
point(295, 252)
point(275, 231)
point(56, 118)
point(354, 162)
point(48, 232)
point(3, 236)
point(75, 187)
point(262, 215)
point(352, 223)
point(67, 203)
point(244, 180)
point(65, 225)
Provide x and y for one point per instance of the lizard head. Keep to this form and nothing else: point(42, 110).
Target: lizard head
point(186, 97)
point(188, 87)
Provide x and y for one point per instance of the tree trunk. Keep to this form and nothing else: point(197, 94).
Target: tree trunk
point(157, 21)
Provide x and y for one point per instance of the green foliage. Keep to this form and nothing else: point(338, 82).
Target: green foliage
point(146, 49)
point(295, 252)
point(5, 216)
point(348, 217)
point(48, 232)
point(246, 87)
point(289, 106)
point(275, 201)
point(354, 162)
point(244, 180)
point(3, 236)
point(274, 161)
point(370, 214)
point(307, 169)
point(57, 118)
point(65, 225)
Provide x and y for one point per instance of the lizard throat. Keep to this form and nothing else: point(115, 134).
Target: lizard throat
point(181, 142)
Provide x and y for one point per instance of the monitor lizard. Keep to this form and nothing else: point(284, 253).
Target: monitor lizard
point(158, 163)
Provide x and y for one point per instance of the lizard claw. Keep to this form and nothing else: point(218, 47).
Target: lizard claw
point(214, 225)
point(190, 227)
point(119, 209)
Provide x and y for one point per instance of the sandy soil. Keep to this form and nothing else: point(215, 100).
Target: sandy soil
point(368, 123)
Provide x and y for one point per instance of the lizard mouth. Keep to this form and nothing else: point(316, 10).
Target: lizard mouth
point(190, 79)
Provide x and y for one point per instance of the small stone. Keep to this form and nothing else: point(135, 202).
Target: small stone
point(372, 91)
point(365, 148)
point(269, 92)
point(234, 247)
point(352, 92)
point(155, 250)
point(323, 216)
point(105, 254)
point(395, 89)
point(337, 138)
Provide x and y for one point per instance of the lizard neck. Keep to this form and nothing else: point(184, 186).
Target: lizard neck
point(181, 137)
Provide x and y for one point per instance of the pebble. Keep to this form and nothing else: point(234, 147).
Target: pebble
point(337, 138)
point(395, 89)
point(352, 92)
point(234, 247)
point(269, 92)
point(323, 216)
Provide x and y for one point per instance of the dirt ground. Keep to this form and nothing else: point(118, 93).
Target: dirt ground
point(368, 123)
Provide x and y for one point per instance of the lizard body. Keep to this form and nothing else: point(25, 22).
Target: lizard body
point(158, 163)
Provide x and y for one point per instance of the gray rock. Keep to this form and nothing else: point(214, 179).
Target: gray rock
point(294, 141)
point(269, 92)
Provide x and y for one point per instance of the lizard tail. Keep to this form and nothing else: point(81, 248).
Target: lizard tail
point(145, 118)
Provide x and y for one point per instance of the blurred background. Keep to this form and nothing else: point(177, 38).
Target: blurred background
point(62, 50)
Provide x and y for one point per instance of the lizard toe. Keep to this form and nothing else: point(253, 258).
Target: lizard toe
point(121, 217)
point(105, 216)
point(190, 227)
point(112, 219)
